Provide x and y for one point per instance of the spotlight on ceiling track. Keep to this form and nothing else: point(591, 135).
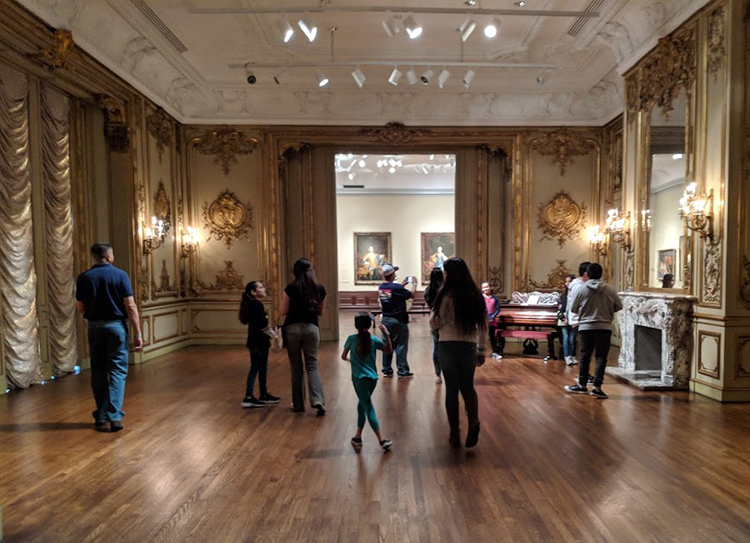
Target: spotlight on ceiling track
point(412, 28)
point(287, 32)
point(411, 76)
point(251, 79)
point(443, 78)
point(425, 79)
point(321, 77)
point(310, 30)
point(468, 78)
point(466, 28)
point(395, 77)
point(391, 27)
point(359, 77)
point(540, 80)
point(491, 29)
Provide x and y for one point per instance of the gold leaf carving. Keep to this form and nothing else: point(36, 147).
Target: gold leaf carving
point(717, 49)
point(562, 145)
point(712, 273)
point(496, 279)
point(165, 284)
point(162, 206)
point(631, 96)
point(225, 144)
point(161, 128)
point(744, 290)
point(395, 134)
point(226, 218)
point(61, 53)
point(562, 218)
point(555, 278)
point(118, 134)
point(292, 148)
point(227, 279)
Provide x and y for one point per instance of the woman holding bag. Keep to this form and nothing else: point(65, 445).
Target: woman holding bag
point(302, 304)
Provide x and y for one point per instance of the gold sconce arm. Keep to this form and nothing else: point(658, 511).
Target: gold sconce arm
point(697, 210)
point(153, 236)
point(599, 240)
point(190, 240)
point(619, 229)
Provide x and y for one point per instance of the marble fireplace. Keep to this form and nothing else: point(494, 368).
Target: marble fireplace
point(657, 340)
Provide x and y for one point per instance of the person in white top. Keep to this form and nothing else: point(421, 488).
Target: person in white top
point(571, 316)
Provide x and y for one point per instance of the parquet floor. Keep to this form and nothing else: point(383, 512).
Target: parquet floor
point(193, 466)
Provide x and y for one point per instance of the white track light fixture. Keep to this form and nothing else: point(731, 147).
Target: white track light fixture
point(468, 78)
point(427, 76)
point(310, 30)
point(359, 77)
point(413, 29)
point(321, 77)
point(287, 32)
point(492, 29)
point(411, 76)
point(466, 28)
point(443, 78)
point(391, 27)
point(395, 77)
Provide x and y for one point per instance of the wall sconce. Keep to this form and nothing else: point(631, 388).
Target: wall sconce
point(697, 210)
point(599, 239)
point(153, 236)
point(190, 240)
point(618, 228)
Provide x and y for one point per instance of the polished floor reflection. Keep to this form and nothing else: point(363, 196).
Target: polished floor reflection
point(192, 465)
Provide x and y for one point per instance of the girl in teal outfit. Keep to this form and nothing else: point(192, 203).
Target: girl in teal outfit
point(363, 348)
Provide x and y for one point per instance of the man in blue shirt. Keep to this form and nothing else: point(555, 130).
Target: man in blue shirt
point(392, 297)
point(105, 298)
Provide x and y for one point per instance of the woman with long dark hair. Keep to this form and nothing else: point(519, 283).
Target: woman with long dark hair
point(461, 322)
point(430, 295)
point(302, 304)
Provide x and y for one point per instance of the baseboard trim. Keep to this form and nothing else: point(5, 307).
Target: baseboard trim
point(720, 395)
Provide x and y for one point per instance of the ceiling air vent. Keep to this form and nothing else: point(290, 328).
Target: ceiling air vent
point(578, 25)
point(159, 24)
point(354, 186)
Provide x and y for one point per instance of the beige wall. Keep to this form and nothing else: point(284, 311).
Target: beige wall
point(666, 231)
point(405, 216)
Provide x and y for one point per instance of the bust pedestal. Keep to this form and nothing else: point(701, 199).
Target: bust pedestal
point(657, 340)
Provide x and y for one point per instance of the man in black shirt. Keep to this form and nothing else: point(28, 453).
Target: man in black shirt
point(392, 297)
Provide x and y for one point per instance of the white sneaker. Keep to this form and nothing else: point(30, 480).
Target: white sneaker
point(497, 356)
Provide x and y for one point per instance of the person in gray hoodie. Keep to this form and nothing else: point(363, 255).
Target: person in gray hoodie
point(596, 304)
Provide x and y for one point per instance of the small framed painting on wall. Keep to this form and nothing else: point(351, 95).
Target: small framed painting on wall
point(437, 247)
point(371, 251)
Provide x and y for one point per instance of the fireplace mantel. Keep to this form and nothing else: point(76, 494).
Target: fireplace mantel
point(670, 313)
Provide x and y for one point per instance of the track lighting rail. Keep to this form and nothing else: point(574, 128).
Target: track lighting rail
point(391, 63)
point(390, 9)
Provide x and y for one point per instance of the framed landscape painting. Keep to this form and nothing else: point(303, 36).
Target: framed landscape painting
point(437, 247)
point(666, 262)
point(371, 251)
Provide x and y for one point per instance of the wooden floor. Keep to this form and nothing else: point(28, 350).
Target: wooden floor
point(193, 466)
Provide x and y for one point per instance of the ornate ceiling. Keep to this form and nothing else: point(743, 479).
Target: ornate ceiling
point(190, 62)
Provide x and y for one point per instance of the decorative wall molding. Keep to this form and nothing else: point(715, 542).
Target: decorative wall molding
point(118, 133)
point(62, 51)
point(161, 127)
point(162, 206)
point(165, 282)
point(630, 271)
point(226, 279)
point(717, 48)
point(562, 145)
point(226, 218)
point(555, 278)
point(562, 218)
point(631, 96)
point(711, 273)
point(742, 371)
point(744, 282)
point(226, 144)
point(496, 279)
point(704, 369)
point(395, 134)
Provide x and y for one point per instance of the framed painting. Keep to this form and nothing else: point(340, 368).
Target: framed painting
point(437, 247)
point(371, 251)
point(666, 262)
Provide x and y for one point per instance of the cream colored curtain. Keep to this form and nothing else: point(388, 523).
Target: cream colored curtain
point(59, 231)
point(17, 274)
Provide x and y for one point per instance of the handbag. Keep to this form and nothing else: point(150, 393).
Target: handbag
point(278, 341)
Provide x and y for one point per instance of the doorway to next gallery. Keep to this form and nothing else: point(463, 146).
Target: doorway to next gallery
point(396, 209)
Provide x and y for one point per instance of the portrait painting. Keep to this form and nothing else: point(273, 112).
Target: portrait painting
point(666, 262)
point(436, 249)
point(371, 251)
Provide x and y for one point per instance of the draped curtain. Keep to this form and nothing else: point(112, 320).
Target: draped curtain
point(17, 273)
point(59, 230)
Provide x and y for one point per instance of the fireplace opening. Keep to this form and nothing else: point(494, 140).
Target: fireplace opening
point(647, 348)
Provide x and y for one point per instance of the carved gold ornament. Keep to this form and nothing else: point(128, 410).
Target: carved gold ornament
point(118, 133)
point(555, 278)
point(712, 272)
point(161, 128)
point(225, 144)
point(562, 145)
point(165, 282)
point(717, 49)
point(631, 96)
point(744, 290)
point(395, 134)
point(61, 53)
point(226, 218)
point(226, 279)
point(496, 279)
point(162, 207)
point(562, 218)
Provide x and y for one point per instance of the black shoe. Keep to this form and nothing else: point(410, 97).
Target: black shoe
point(577, 389)
point(455, 440)
point(321, 409)
point(599, 393)
point(101, 426)
point(357, 442)
point(386, 444)
point(407, 375)
point(472, 437)
point(268, 398)
point(115, 426)
point(252, 401)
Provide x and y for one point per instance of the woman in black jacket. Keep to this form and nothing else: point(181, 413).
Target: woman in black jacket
point(259, 333)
